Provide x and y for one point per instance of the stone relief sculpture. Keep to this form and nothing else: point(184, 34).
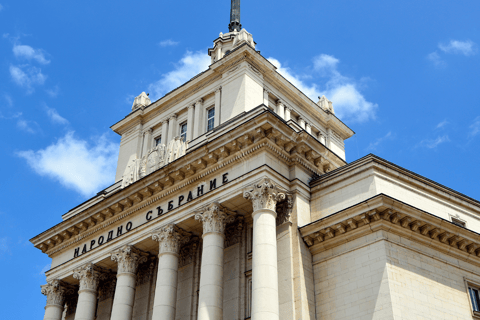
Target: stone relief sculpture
point(153, 160)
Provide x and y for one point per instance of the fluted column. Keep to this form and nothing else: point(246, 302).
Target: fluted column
point(170, 239)
point(128, 258)
point(281, 109)
point(55, 291)
point(210, 301)
point(264, 198)
point(198, 119)
point(89, 276)
point(190, 125)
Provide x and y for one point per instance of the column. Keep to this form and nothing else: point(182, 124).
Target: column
point(165, 132)
point(89, 276)
point(170, 239)
point(264, 197)
point(172, 128)
point(210, 301)
point(147, 141)
point(281, 109)
point(55, 291)
point(288, 112)
point(198, 119)
point(218, 102)
point(329, 138)
point(190, 124)
point(308, 128)
point(265, 96)
point(128, 258)
point(301, 122)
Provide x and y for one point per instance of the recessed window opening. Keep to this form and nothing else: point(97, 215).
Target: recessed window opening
point(158, 141)
point(210, 119)
point(473, 292)
point(183, 131)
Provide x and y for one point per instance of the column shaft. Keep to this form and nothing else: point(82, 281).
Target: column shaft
point(198, 119)
point(281, 110)
point(287, 114)
point(53, 312)
point(190, 123)
point(165, 302)
point(89, 276)
point(172, 129)
point(265, 97)
point(165, 132)
point(218, 101)
point(87, 304)
point(55, 291)
point(124, 297)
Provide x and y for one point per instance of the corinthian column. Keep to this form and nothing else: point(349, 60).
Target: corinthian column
point(89, 276)
point(170, 239)
point(128, 258)
point(210, 301)
point(55, 291)
point(264, 198)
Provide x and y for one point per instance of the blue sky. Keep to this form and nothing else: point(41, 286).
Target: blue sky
point(404, 75)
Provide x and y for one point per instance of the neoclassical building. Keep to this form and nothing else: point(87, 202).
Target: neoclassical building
point(233, 200)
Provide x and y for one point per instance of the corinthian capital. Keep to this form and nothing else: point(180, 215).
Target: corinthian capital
point(128, 258)
point(55, 291)
point(264, 195)
point(89, 275)
point(170, 238)
point(214, 218)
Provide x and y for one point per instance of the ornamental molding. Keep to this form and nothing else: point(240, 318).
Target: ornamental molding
point(294, 150)
point(214, 218)
point(264, 195)
point(284, 209)
point(56, 292)
point(128, 258)
point(89, 276)
point(170, 239)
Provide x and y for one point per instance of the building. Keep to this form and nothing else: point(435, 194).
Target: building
point(233, 200)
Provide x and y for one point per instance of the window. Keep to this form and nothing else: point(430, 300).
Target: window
point(210, 119)
point(158, 141)
point(458, 222)
point(183, 131)
point(474, 298)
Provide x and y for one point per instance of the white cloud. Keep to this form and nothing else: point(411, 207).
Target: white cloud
point(27, 52)
point(1, 7)
point(8, 99)
point(374, 145)
point(475, 127)
point(54, 116)
point(189, 66)
point(442, 124)
point(435, 58)
point(466, 48)
point(433, 143)
point(76, 164)
point(27, 77)
point(348, 102)
point(45, 269)
point(53, 92)
point(167, 43)
point(27, 126)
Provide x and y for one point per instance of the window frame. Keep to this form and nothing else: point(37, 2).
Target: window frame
point(183, 133)
point(474, 285)
point(155, 140)
point(212, 118)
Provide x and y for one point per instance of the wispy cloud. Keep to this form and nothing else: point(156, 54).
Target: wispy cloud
point(189, 66)
point(53, 92)
point(373, 145)
point(475, 127)
point(467, 48)
point(434, 57)
point(45, 269)
point(26, 52)
point(442, 124)
point(4, 247)
point(27, 77)
point(168, 43)
point(433, 143)
point(75, 163)
point(8, 100)
point(54, 116)
point(348, 102)
point(1, 7)
point(28, 126)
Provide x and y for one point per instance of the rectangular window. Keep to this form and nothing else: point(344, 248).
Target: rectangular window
point(458, 222)
point(210, 119)
point(183, 131)
point(474, 297)
point(158, 141)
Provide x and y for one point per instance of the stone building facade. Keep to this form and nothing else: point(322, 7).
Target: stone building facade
point(233, 200)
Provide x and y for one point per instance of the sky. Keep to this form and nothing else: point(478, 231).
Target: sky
point(404, 75)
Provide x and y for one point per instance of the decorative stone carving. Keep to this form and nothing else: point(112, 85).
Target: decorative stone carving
point(170, 238)
point(146, 270)
point(128, 258)
point(153, 160)
point(214, 218)
point(141, 101)
point(284, 209)
point(188, 253)
point(234, 232)
point(71, 301)
point(106, 287)
point(264, 195)
point(325, 104)
point(55, 290)
point(89, 276)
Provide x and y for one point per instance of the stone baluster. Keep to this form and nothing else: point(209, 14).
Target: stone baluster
point(170, 239)
point(264, 197)
point(55, 291)
point(210, 302)
point(190, 125)
point(89, 276)
point(128, 259)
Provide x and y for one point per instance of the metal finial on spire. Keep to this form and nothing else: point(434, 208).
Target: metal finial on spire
point(235, 24)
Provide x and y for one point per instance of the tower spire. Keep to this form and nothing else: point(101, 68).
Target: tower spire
point(235, 24)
